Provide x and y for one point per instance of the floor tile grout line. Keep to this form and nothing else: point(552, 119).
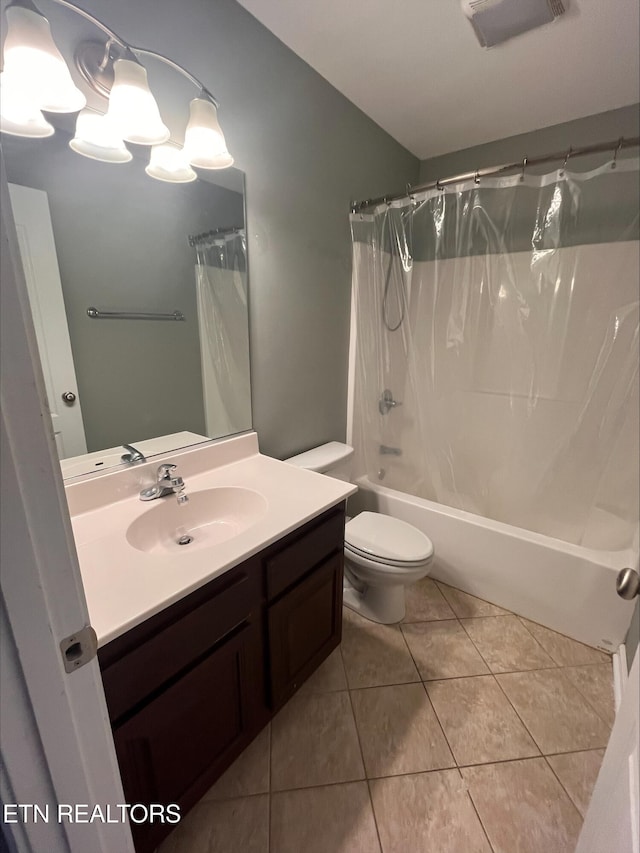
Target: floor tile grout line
point(524, 619)
point(484, 601)
point(553, 666)
point(475, 808)
point(584, 695)
point(364, 767)
point(531, 735)
point(562, 785)
point(439, 722)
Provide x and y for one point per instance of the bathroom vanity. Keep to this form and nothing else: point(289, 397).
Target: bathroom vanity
point(192, 674)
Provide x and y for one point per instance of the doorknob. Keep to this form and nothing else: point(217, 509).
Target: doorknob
point(628, 583)
point(69, 397)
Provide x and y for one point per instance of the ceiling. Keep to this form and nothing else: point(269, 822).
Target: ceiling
point(416, 68)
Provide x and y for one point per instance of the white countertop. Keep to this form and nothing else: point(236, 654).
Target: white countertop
point(124, 586)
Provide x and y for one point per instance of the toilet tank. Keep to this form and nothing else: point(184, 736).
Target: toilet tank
point(333, 459)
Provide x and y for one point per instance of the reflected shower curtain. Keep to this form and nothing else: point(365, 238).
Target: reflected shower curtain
point(221, 283)
point(503, 317)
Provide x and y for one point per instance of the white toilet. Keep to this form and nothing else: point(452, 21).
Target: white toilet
point(382, 554)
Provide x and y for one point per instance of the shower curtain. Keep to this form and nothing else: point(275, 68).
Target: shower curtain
point(501, 317)
point(221, 286)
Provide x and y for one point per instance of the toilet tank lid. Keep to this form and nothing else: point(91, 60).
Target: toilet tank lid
point(322, 458)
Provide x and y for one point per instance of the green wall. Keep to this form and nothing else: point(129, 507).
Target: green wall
point(307, 152)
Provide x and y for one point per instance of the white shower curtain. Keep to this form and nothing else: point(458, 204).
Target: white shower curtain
point(503, 316)
point(221, 283)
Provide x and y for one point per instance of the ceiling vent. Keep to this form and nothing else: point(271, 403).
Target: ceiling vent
point(495, 21)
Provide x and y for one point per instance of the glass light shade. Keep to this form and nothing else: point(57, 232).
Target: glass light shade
point(37, 69)
point(132, 108)
point(96, 138)
point(168, 163)
point(19, 116)
point(204, 142)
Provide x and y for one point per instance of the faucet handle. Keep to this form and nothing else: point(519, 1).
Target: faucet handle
point(164, 471)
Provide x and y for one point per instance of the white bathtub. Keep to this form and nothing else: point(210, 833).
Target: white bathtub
point(568, 588)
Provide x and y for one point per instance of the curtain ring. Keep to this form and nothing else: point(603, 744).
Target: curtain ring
point(616, 152)
point(476, 179)
point(524, 164)
point(439, 186)
point(566, 158)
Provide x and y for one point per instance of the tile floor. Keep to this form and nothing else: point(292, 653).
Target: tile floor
point(464, 730)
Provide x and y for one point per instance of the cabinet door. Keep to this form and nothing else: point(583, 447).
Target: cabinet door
point(305, 625)
point(175, 747)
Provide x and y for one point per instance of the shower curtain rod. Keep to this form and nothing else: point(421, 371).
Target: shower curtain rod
point(616, 146)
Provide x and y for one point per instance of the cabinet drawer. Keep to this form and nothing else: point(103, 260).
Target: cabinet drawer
point(312, 547)
point(156, 659)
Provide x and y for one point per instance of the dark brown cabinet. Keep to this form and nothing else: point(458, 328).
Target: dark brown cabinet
point(188, 689)
point(304, 627)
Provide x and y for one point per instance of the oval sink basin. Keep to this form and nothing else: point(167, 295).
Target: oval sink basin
point(211, 516)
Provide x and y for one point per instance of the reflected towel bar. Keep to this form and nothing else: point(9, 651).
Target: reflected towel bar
point(95, 314)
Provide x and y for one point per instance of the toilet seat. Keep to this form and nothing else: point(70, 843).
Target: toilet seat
point(386, 540)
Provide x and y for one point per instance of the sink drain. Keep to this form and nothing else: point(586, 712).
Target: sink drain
point(185, 540)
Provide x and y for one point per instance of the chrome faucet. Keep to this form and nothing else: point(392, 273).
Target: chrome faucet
point(133, 456)
point(166, 484)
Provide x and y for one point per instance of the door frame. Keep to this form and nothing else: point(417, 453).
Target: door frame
point(55, 737)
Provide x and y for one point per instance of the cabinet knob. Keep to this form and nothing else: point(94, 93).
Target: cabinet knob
point(69, 397)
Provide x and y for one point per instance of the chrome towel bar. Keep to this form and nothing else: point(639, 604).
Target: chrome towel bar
point(95, 314)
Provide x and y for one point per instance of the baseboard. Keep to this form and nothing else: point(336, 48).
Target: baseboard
point(620, 673)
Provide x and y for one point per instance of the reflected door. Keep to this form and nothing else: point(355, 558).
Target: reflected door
point(40, 262)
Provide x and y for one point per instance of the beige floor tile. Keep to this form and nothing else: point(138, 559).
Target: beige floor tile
point(374, 654)
point(425, 602)
point(564, 650)
point(399, 732)
point(249, 773)
point(478, 721)
point(523, 807)
point(332, 819)
point(427, 812)
point(443, 650)
point(596, 685)
point(505, 644)
point(225, 827)
point(555, 712)
point(329, 677)
point(465, 605)
point(578, 771)
point(314, 742)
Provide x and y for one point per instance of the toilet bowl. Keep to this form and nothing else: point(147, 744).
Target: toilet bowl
point(382, 554)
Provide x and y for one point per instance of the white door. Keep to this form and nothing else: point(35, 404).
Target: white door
point(40, 262)
point(611, 822)
point(55, 738)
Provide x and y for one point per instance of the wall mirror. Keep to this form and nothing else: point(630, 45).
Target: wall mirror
point(138, 286)
point(114, 240)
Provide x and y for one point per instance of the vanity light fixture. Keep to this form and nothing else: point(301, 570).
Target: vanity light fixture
point(204, 141)
point(169, 163)
point(36, 78)
point(97, 138)
point(133, 110)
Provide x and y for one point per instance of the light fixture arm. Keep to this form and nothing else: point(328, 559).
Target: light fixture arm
point(204, 92)
point(114, 38)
